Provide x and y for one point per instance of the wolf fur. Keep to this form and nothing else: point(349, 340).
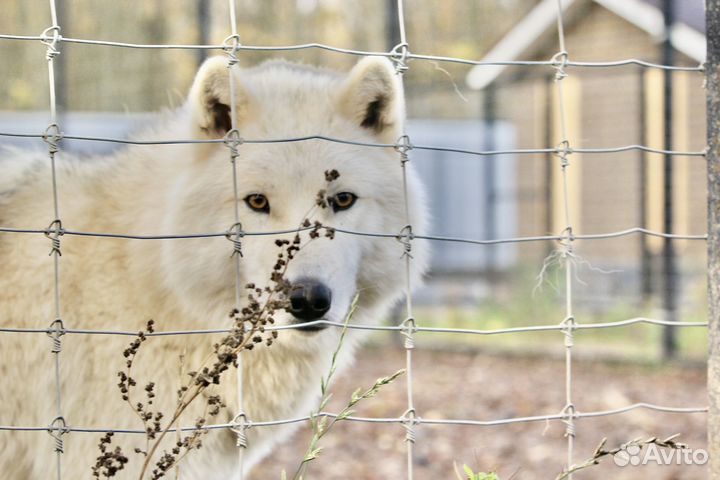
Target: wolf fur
point(114, 284)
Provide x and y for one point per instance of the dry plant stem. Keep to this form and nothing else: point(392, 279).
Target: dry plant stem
point(319, 423)
point(323, 388)
point(457, 472)
point(160, 437)
point(600, 452)
point(178, 436)
point(185, 401)
point(184, 454)
point(192, 393)
point(132, 407)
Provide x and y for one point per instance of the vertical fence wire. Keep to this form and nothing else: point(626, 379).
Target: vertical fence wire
point(232, 140)
point(399, 57)
point(51, 38)
point(560, 63)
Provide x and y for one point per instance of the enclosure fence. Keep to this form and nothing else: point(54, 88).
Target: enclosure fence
point(400, 55)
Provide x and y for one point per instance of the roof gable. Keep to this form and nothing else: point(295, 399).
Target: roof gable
point(644, 14)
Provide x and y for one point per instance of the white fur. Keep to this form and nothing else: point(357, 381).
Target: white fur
point(189, 284)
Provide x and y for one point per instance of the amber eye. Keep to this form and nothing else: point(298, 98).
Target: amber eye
point(258, 202)
point(343, 201)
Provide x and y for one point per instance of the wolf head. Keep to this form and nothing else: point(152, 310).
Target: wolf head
point(278, 184)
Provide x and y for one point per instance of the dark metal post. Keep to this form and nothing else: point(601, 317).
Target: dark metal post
point(712, 70)
point(489, 117)
point(392, 24)
point(203, 25)
point(646, 283)
point(669, 270)
point(61, 63)
point(548, 161)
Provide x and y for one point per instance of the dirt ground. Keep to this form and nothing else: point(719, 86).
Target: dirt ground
point(483, 387)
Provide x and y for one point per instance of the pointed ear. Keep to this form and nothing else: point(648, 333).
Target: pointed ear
point(210, 99)
point(372, 97)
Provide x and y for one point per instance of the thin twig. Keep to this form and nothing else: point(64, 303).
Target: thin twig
point(600, 452)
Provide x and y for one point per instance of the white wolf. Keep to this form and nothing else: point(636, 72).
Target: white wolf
point(114, 284)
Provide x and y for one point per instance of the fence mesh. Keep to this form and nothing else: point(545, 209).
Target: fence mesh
point(560, 63)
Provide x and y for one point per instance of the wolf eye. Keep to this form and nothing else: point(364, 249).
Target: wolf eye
point(343, 201)
point(258, 202)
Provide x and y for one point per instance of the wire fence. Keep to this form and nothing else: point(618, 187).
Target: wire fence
point(401, 56)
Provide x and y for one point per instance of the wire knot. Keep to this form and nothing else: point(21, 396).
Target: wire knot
point(235, 235)
point(568, 237)
point(239, 426)
point(57, 429)
point(52, 136)
point(568, 418)
point(408, 329)
point(568, 327)
point(230, 46)
point(408, 420)
point(53, 232)
point(563, 150)
point(399, 55)
point(405, 237)
point(403, 146)
point(233, 140)
point(55, 331)
point(50, 37)
point(560, 62)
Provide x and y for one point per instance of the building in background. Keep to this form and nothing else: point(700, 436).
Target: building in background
point(616, 107)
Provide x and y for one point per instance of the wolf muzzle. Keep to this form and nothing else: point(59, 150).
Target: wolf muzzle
point(310, 299)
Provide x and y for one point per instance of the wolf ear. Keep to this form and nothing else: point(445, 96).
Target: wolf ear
point(210, 99)
point(372, 97)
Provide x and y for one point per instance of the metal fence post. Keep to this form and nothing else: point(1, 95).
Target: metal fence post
point(489, 173)
point(713, 159)
point(204, 26)
point(647, 285)
point(669, 268)
point(61, 64)
point(392, 29)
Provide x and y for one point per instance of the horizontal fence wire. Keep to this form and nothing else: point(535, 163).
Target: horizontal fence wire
point(348, 51)
point(434, 238)
point(399, 55)
point(400, 420)
point(481, 153)
point(378, 328)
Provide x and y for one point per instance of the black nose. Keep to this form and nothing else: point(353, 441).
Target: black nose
point(309, 300)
